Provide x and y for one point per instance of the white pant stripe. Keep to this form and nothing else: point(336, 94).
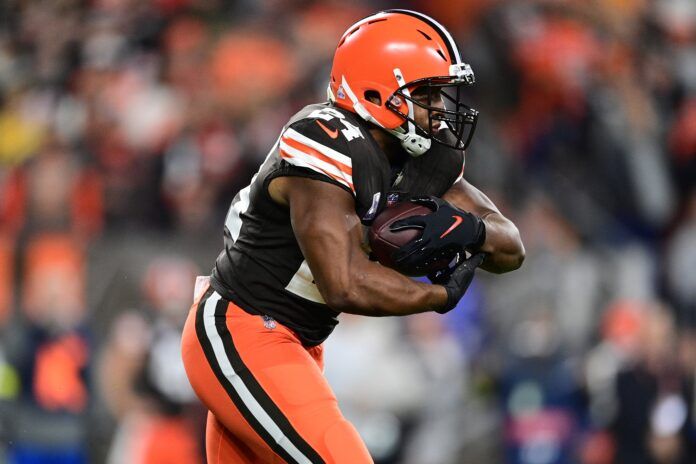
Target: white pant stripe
point(251, 403)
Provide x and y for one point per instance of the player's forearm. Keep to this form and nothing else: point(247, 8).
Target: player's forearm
point(373, 290)
point(503, 245)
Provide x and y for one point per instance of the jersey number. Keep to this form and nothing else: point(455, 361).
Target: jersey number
point(350, 132)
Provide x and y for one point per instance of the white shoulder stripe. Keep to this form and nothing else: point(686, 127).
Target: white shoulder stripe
point(297, 154)
point(330, 152)
point(304, 164)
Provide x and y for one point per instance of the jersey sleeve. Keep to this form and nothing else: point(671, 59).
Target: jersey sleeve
point(461, 171)
point(436, 171)
point(316, 148)
point(454, 160)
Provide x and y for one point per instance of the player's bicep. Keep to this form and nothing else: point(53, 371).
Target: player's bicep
point(327, 230)
point(465, 196)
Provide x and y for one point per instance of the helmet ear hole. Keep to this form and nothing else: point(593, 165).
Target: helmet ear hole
point(373, 96)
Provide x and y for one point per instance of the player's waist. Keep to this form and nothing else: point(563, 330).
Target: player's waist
point(311, 322)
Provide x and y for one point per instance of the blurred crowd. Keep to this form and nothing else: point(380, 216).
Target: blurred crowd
point(126, 127)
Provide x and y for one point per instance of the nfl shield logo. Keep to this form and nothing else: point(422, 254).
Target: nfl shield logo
point(392, 198)
point(269, 322)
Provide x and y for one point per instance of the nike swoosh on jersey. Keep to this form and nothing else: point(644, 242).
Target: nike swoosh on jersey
point(457, 220)
point(331, 133)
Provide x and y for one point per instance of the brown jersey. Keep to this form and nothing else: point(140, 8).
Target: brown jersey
point(261, 267)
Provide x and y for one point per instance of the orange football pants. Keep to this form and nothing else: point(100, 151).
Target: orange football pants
point(267, 397)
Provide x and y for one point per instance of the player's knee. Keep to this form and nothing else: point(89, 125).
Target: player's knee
point(344, 444)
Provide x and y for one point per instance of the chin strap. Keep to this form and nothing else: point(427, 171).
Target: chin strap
point(414, 144)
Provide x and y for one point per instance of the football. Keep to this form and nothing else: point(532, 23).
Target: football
point(384, 242)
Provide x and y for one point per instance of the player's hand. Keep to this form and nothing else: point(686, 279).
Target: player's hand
point(459, 280)
point(442, 276)
point(447, 231)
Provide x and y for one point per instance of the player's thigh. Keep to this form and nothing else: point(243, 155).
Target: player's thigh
point(223, 447)
point(265, 388)
point(292, 380)
point(213, 394)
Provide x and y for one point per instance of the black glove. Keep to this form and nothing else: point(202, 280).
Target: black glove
point(441, 276)
point(459, 280)
point(447, 231)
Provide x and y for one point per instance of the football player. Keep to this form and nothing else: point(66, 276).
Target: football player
point(394, 128)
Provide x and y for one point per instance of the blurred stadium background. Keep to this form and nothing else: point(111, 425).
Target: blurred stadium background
point(126, 126)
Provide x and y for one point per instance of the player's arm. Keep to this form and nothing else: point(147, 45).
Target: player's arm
point(329, 234)
point(503, 245)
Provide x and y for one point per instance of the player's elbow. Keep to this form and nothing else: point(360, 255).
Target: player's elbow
point(519, 252)
point(338, 294)
point(348, 297)
point(511, 260)
point(518, 258)
point(344, 300)
point(338, 299)
point(508, 256)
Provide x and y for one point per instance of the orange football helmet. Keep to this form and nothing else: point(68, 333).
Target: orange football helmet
point(390, 54)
